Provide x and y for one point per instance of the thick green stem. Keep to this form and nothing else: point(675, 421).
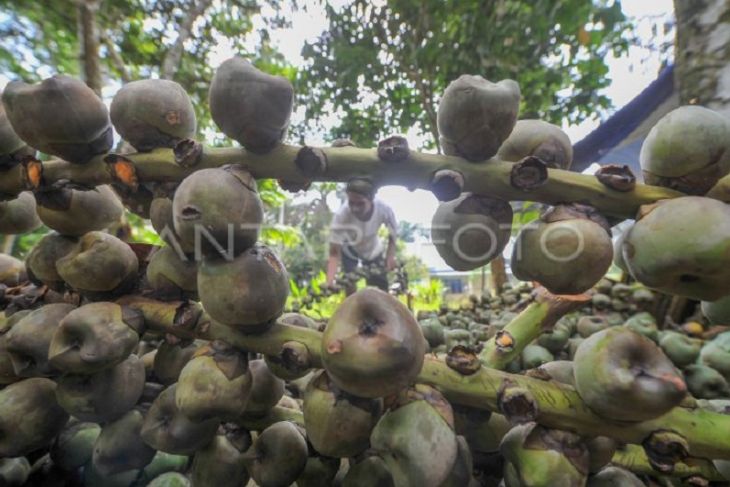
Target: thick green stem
point(490, 177)
point(634, 458)
point(537, 318)
point(558, 405)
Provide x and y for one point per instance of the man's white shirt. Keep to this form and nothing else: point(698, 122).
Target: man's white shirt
point(362, 236)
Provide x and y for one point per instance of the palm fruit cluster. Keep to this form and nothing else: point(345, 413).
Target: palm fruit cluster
point(130, 365)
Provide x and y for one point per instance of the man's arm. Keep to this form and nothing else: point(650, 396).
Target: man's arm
point(333, 262)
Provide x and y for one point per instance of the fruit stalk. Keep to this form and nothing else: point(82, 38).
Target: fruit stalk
point(343, 163)
point(633, 458)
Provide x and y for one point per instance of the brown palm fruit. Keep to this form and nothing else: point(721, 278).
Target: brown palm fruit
point(83, 131)
point(219, 464)
point(482, 430)
point(30, 417)
point(533, 356)
point(716, 354)
point(41, 261)
point(613, 476)
point(416, 437)
point(153, 113)
point(372, 346)
point(476, 116)
point(567, 251)
point(167, 429)
point(171, 358)
point(293, 362)
point(545, 457)
point(461, 472)
point(7, 372)
point(471, 230)
point(718, 311)
point(250, 106)
point(74, 446)
point(682, 246)
point(12, 271)
point(105, 395)
point(12, 147)
point(723, 467)
point(29, 339)
point(266, 389)
point(120, 447)
point(687, 150)
point(94, 337)
point(370, 472)
point(278, 456)
point(319, 471)
point(588, 325)
point(559, 371)
point(601, 450)
point(630, 369)
point(539, 139)
point(338, 424)
point(221, 208)
point(246, 293)
point(681, 349)
point(172, 274)
point(162, 221)
point(75, 212)
point(19, 215)
point(215, 383)
point(705, 382)
point(93, 478)
point(644, 324)
point(101, 265)
point(14, 472)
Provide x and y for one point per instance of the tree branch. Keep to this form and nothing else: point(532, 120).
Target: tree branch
point(89, 39)
point(172, 59)
point(116, 59)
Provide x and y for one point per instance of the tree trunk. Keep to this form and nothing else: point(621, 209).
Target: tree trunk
point(498, 276)
point(171, 61)
point(702, 52)
point(89, 40)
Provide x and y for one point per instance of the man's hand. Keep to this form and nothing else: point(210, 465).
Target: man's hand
point(390, 263)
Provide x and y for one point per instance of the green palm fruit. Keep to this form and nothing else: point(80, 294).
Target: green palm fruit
point(93, 478)
point(545, 457)
point(215, 383)
point(480, 333)
point(588, 325)
point(120, 447)
point(246, 293)
point(219, 464)
point(600, 302)
point(556, 339)
point(681, 349)
point(567, 251)
point(461, 472)
point(14, 472)
point(620, 364)
point(476, 116)
point(716, 354)
point(687, 150)
point(170, 274)
point(560, 371)
point(74, 446)
point(163, 463)
point(250, 106)
point(12, 271)
point(28, 341)
point(372, 346)
point(170, 479)
point(673, 249)
point(471, 230)
point(74, 212)
point(278, 456)
point(621, 291)
point(643, 298)
point(454, 337)
point(370, 472)
point(153, 113)
point(618, 256)
point(319, 471)
point(221, 208)
point(540, 139)
point(573, 345)
point(30, 417)
point(100, 265)
point(286, 365)
point(167, 429)
point(416, 438)
point(266, 389)
point(83, 131)
point(705, 382)
point(723, 467)
point(12, 147)
point(338, 424)
point(433, 331)
point(718, 311)
point(102, 396)
point(171, 358)
point(600, 451)
point(41, 261)
point(162, 220)
point(482, 429)
point(534, 356)
point(94, 337)
point(644, 324)
point(613, 476)
point(18, 215)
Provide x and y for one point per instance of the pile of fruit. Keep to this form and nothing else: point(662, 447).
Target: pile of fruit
point(128, 365)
